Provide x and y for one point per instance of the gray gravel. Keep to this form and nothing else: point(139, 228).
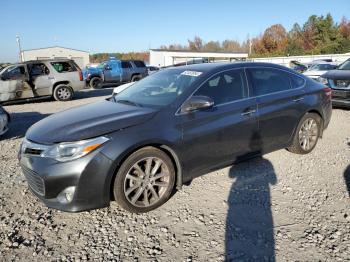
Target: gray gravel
point(282, 207)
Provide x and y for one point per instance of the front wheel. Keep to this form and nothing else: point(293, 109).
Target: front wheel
point(307, 134)
point(144, 181)
point(63, 93)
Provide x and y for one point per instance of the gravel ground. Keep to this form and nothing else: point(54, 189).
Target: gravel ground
point(282, 207)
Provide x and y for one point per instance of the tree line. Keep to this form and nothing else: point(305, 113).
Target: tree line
point(318, 35)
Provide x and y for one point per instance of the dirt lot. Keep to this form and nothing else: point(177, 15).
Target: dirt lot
point(282, 207)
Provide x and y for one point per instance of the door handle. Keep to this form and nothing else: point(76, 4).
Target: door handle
point(298, 99)
point(249, 112)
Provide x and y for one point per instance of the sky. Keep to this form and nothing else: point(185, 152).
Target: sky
point(123, 26)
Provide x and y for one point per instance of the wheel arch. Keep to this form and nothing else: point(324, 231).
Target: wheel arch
point(59, 83)
point(161, 146)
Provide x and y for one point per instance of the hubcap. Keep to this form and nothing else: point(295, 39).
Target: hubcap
point(63, 93)
point(308, 134)
point(146, 182)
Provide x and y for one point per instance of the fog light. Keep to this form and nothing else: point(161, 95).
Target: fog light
point(67, 195)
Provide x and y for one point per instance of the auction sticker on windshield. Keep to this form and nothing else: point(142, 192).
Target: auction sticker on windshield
point(191, 73)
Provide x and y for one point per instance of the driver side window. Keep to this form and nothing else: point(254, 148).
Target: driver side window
point(225, 87)
point(15, 73)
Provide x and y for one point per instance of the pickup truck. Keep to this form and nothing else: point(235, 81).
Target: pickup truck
point(115, 71)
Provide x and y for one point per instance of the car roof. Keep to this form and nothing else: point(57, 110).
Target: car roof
point(208, 67)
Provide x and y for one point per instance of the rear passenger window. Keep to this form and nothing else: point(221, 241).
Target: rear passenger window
point(225, 87)
point(296, 81)
point(126, 64)
point(63, 67)
point(139, 63)
point(269, 80)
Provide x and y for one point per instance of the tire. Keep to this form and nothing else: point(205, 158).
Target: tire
point(63, 92)
point(309, 129)
point(135, 78)
point(95, 82)
point(134, 193)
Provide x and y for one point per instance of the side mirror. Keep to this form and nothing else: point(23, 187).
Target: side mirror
point(4, 77)
point(107, 67)
point(196, 103)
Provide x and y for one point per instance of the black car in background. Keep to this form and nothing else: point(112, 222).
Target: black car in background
point(169, 128)
point(339, 81)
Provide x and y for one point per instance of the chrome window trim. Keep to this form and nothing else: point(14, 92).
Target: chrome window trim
point(178, 111)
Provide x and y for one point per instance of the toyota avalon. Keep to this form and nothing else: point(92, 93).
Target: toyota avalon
point(141, 144)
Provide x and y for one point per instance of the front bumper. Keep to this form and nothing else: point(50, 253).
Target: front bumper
point(90, 175)
point(341, 98)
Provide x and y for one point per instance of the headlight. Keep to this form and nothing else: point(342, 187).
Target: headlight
point(69, 151)
point(322, 80)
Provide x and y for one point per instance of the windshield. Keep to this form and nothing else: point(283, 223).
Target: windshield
point(321, 67)
point(345, 65)
point(159, 89)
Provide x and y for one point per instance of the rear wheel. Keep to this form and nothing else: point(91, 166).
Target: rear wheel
point(95, 82)
point(63, 92)
point(144, 181)
point(307, 134)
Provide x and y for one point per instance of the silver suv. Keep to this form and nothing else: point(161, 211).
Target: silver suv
point(59, 78)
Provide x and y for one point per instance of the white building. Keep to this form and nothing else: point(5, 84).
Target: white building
point(82, 58)
point(161, 57)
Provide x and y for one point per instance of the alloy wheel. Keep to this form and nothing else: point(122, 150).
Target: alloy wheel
point(308, 134)
point(146, 182)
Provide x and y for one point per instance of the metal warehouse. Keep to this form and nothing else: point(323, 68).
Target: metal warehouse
point(161, 57)
point(82, 58)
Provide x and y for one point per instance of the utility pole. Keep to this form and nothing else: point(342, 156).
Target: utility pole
point(250, 46)
point(19, 47)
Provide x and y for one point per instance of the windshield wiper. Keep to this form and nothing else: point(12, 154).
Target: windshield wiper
point(127, 102)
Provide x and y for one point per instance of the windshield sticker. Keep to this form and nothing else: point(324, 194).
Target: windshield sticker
point(191, 73)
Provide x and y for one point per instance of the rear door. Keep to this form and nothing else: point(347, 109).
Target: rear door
point(39, 79)
point(280, 97)
point(219, 135)
point(127, 70)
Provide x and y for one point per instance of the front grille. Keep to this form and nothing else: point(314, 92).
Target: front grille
point(33, 151)
point(342, 83)
point(35, 182)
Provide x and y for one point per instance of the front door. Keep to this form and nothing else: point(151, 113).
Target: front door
point(224, 133)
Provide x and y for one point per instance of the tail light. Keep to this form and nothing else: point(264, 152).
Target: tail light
point(81, 75)
point(328, 92)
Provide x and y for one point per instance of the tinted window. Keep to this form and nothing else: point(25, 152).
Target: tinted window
point(63, 67)
point(15, 72)
point(139, 63)
point(38, 69)
point(269, 80)
point(126, 64)
point(225, 87)
point(296, 81)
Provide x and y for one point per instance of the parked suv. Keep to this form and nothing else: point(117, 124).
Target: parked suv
point(339, 81)
point(115, 71)
point(59, 78)
point(169, 128)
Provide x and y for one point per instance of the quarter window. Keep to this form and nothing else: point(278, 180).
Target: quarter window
point(139, 63)
point(225, 87)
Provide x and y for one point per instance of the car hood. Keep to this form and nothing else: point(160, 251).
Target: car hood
point(337, 74)
point(87, 121)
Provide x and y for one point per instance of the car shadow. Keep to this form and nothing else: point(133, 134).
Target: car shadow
point(21, 122)
point(93, 93)
point(249, 232)
point(347, 178)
